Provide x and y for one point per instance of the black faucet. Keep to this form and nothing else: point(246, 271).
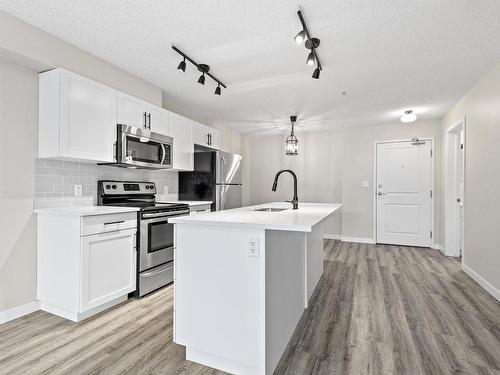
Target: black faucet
point(295, 199)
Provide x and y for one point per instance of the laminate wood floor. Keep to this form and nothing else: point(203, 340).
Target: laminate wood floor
point(377, 310)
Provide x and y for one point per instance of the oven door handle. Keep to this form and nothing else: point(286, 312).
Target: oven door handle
point(163, 214)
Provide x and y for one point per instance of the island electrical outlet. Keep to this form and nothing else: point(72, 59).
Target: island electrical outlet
point(253, 247)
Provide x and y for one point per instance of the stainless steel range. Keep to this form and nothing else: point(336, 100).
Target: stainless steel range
point(155, 237)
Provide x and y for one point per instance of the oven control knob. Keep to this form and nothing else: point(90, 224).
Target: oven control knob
point(147, 186)
point(152, 187)
point(108, 186)
point(114, 186)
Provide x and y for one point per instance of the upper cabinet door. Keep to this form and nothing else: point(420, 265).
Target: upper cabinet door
point(87, 118)
point(157, 119)
point(183, 150)
point(206, 136)
point(131, 111)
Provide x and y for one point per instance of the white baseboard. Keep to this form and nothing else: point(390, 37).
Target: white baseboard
point(485, 284)
point(439, 247)
point(19, 311)
point(358, 239)
point(348, 239)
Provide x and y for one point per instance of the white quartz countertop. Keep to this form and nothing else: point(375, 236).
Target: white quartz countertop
point(85, 211)
point(301, 220)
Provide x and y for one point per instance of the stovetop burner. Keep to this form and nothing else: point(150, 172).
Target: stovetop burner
point(134, 194)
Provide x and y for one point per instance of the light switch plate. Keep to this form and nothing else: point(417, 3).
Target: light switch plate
point(365, 184)
point(78, 190)
point(253, 247)
point(165, 190)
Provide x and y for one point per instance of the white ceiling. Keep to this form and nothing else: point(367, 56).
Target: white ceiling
point(387, 55)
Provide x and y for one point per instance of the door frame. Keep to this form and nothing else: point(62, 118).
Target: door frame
point(451, 245)
point(374, 188)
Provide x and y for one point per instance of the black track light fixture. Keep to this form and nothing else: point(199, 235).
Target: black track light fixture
point(316, 73)
point(201, 80)
point(203, 68)
point(311, 60)
point(299, 38)
point(310, 43)
point(182, 65)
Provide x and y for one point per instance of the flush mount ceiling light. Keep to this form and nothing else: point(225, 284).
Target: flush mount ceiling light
point(408, 116)
point(292, 143)
point(311, 44)
point(203, 68)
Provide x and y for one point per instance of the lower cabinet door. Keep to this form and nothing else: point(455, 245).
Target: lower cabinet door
point(108, 267)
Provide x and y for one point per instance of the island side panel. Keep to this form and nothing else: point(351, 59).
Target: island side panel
point(315, 257)
point(220, 297)
point(285, 290)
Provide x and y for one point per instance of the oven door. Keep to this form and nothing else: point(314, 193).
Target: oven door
point(156, 242)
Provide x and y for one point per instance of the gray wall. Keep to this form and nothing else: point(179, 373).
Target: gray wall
point(481, 108)
point(18, 150)
point(331, 167)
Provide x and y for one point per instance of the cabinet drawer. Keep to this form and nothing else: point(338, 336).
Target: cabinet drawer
point(108, 223)
point(200, 208)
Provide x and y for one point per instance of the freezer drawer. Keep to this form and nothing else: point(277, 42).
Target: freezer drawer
point(155, 278)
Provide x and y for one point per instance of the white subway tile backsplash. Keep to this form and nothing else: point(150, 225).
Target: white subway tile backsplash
point(54, 163)
point(55, 180)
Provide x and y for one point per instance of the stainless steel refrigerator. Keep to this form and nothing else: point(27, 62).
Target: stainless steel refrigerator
point(217, 177)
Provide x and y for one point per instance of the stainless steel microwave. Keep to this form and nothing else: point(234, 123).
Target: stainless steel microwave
point(142, 148)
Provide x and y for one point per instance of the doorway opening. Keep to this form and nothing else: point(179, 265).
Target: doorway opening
point(454, 190)
point(404, 192)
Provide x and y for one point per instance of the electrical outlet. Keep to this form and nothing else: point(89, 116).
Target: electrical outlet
point(365, 184)
point(253, 247)
point(78, 190)
point(165, 190)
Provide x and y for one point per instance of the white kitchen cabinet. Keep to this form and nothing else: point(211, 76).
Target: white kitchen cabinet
point(206, 136)
point(183, 148)
point(140, 114)
point(102, 282)
point(86, 260)
point(77, 117)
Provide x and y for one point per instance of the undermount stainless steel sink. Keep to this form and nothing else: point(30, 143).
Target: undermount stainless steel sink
point(270, 209)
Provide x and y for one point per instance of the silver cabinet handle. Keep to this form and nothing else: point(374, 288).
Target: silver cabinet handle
point(115, 222)
point(381, 193)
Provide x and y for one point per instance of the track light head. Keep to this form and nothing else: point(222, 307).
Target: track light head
point(299, 38)
point(311, 60)
point(201, 80)
point(218, 90)
point(182, 65)
point(316, 73)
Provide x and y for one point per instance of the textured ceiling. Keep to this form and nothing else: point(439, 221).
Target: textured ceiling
point(387, 55)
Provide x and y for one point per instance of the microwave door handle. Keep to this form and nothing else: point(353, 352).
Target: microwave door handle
point(163, 154)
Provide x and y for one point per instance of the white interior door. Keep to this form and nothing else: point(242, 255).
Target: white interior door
point(404, 193)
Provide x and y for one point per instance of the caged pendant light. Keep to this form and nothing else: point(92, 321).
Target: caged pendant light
point(292, 143)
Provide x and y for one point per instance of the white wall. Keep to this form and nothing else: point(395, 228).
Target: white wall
point(331, 166)
point(481, 108)
point(18, 150)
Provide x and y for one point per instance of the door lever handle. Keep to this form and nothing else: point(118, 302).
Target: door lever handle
point(380, 193)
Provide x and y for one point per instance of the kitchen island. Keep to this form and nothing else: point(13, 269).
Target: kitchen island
point(243, 278)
